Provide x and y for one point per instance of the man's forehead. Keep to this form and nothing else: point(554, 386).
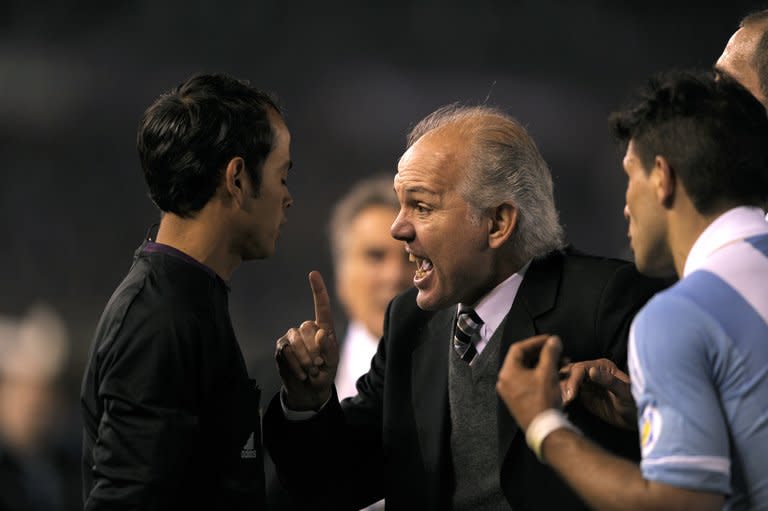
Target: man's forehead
point(420, 180)
point(740, 47)
point(736, 61)
point(427, 158)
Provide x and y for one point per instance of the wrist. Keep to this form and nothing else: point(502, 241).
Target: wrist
point(305, 402)
point(543, 425)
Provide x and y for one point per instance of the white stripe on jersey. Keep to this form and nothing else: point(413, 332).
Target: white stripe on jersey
point(713, 463)
point(736, 264)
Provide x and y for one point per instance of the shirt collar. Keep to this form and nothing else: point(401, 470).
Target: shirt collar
point(150, 246)
point(493, 307)
point(733, 225)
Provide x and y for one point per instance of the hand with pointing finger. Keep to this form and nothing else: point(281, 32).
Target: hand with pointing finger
point(307, 356)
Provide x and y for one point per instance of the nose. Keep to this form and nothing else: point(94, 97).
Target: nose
point(626, 212)
point(401, 228)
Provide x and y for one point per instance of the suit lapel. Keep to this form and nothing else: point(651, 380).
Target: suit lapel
point(429, 380)
point(537, 295)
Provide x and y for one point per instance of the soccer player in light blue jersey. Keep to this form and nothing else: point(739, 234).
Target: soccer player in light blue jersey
point(697, 167)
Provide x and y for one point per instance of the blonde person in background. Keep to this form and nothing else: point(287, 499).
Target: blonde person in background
point(371, 268)
point(35, 462)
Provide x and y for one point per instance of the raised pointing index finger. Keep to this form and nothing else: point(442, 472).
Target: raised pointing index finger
point(323, 313)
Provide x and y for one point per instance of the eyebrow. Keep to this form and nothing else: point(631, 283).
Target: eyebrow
point(419, 189)
point(719, 71)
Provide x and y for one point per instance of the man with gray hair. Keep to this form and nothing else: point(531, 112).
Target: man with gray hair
point(426, 429)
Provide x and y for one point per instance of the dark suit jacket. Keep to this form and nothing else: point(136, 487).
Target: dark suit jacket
point(393, 439)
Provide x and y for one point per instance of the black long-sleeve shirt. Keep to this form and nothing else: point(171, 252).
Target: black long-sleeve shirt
point(171, 419)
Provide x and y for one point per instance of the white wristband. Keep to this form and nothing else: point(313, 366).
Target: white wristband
point(542, 425)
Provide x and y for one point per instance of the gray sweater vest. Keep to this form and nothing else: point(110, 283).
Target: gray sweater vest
point(474, 429)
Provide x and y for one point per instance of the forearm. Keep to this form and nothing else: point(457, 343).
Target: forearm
point(325, 459)
point(604, 481)
point(291, 443)
point(610, 483)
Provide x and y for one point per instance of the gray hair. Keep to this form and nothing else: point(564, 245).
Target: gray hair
point(504, 166)
point(374, 191)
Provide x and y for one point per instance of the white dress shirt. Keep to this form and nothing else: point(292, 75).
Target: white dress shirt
point(493, 307)
point(358, 349)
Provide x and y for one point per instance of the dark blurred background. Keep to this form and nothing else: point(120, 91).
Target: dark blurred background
point(353, 77)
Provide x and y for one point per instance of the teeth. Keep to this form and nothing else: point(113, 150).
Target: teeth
point(423, 265)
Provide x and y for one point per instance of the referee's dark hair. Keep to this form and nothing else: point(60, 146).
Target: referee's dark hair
point(188, 135)
point(712, 132)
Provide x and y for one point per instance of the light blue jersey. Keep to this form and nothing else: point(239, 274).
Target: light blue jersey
point(698, 359)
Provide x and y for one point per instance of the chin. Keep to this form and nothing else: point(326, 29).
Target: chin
point(430, 303)
point(259, 253)
point(655, 267)
point(660, 272)
point(423, 302)
point(376, 325)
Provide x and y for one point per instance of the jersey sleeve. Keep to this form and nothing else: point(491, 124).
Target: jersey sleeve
point(150, 424)
point(683, 433)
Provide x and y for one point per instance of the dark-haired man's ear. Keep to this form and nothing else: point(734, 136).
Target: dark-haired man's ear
point(664, 181)
point(234, 179)
point(503, 220)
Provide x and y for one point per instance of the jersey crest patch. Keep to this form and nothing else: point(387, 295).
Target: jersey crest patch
point(650, 428)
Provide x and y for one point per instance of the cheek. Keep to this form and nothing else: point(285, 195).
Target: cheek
point(633, 208)
point(370, 284)
point(278, 207)
point(457, 264)
point(363, 278)
point(628, 194)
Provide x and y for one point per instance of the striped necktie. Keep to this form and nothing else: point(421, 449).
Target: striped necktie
point(468, 325)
